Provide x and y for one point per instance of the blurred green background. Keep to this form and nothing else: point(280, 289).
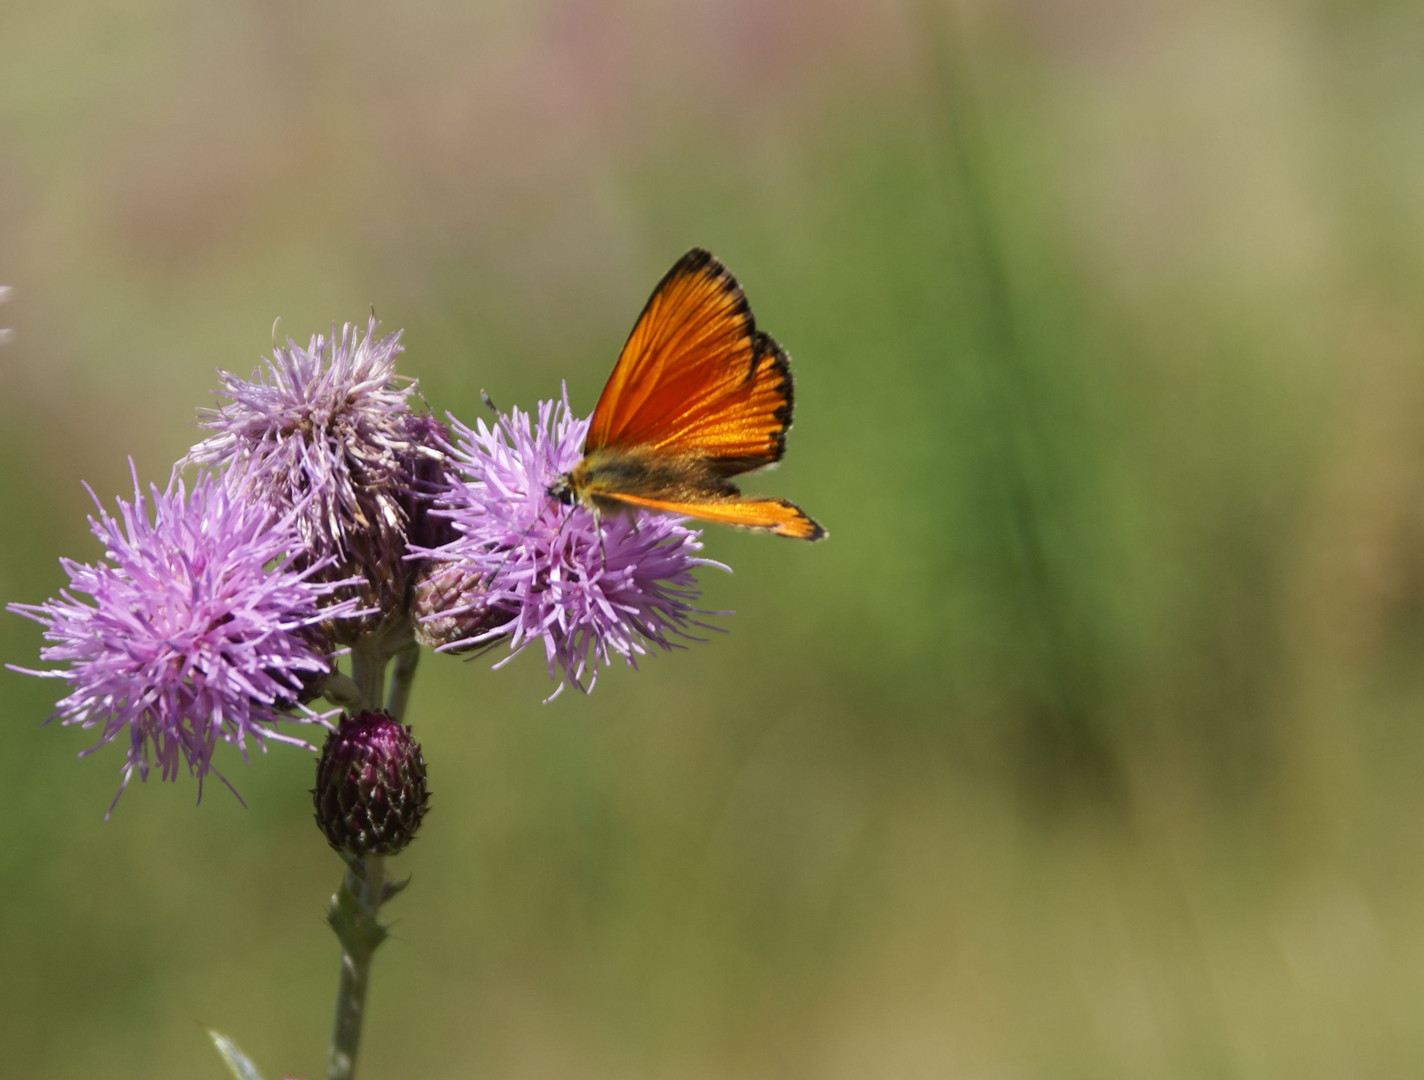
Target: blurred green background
point(1089, 743)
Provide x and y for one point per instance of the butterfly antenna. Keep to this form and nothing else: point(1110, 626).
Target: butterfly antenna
point(484, 396)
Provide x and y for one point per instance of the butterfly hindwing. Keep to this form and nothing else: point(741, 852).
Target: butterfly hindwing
point(774, 515)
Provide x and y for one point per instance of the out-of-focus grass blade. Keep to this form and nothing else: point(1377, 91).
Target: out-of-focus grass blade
point(236, 1060)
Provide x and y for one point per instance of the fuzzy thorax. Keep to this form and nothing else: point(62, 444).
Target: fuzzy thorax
point(604, 474)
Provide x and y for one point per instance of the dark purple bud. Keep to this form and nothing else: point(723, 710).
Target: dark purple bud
point(370, 793)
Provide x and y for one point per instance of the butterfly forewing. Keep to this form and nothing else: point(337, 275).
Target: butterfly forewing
point(740, 424)
point(693, 345)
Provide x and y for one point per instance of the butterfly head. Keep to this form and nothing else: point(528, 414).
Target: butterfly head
point(578, 484)
point(561, 491)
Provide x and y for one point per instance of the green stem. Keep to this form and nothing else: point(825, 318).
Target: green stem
point(401, 679)
point(355, 908)
point(368, 668)
point(353, 916)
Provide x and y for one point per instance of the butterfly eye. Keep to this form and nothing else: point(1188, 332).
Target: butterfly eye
point(561, 490)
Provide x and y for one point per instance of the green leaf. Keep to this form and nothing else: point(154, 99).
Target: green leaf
point(237, 1062)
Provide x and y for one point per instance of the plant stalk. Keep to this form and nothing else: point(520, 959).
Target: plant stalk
point(355, 909)
point(368, 668)
point(353, 915)
point(401, 678)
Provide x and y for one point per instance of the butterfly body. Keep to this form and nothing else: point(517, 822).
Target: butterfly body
point(698, 395)
point(603, 475)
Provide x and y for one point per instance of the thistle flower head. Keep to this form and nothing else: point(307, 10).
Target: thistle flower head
point(538, 571)
point(195, 628)
point(324, 429)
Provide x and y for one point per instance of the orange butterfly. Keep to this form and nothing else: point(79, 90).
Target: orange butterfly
point(698, 395)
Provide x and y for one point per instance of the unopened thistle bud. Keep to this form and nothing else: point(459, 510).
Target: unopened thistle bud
point(450, 609)
point(370, 790)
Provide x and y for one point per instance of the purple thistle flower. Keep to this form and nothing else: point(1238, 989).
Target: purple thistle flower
point(325, 429)
point(197, 629)
point(536, 570)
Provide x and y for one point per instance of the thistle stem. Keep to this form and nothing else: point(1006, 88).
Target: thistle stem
point(355, 908)
point(401, 678)
point(368, 668)
point(353, 916)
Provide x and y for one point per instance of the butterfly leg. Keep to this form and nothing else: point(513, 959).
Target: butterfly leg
point(494, 574)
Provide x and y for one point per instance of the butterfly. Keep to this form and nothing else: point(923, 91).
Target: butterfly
point(698, 395)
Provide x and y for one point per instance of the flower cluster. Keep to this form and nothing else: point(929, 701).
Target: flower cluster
point(327, 513)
